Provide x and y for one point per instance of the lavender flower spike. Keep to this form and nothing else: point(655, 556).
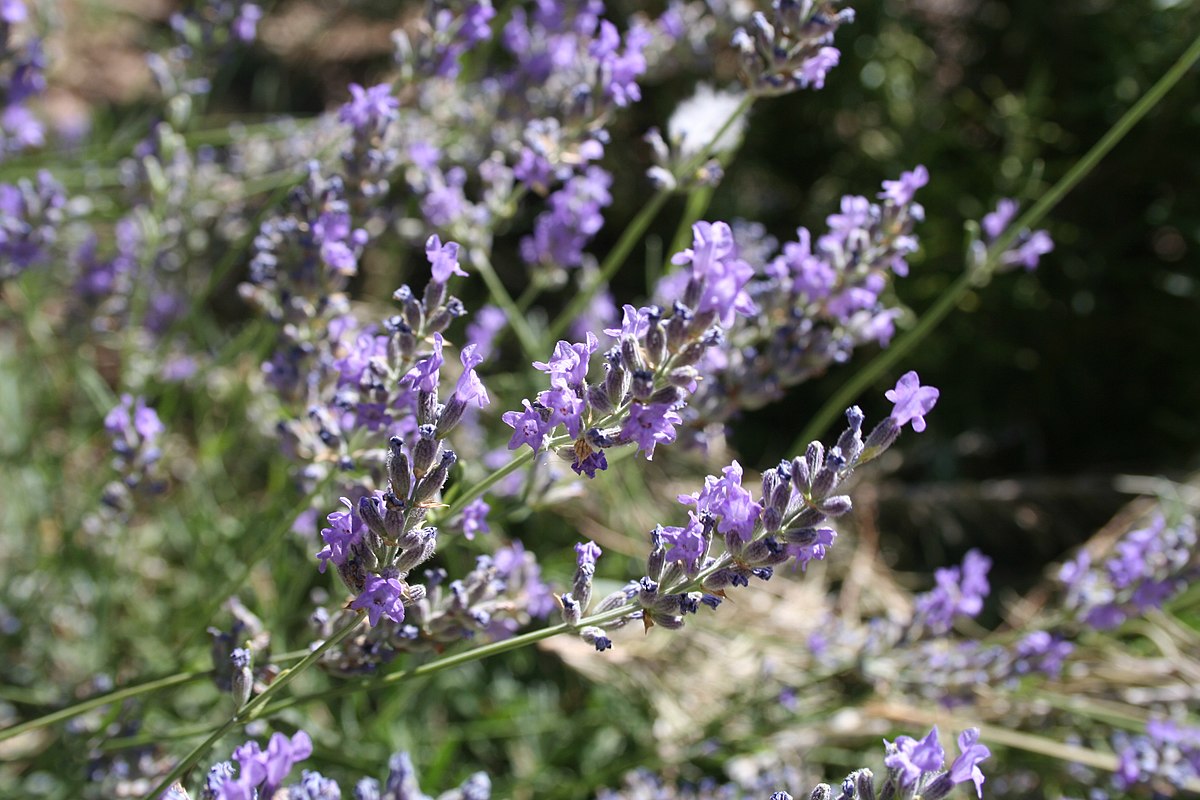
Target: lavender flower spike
point(912, 401)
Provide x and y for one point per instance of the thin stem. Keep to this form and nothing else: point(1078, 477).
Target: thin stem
point(179, 679)
point(251, 710)
point(450, 661)
point(467, 495)
point(516, 318)
point(883, 362)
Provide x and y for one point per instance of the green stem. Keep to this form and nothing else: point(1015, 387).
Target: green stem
point(883, 362)
point(516, 318)
point(180, 679)
point(460, 500)
point(251, 710)
point(450, 661)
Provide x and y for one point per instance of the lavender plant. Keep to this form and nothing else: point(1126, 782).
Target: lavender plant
point(478, 176)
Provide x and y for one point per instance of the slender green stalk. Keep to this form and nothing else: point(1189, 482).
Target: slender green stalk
point(467, 495)
point(949, 299)
point(251, 710)
point(75, 710)
point(516, 319)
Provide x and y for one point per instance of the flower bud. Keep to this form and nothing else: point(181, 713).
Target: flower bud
point(850, 442)
point(571, 613)
point(425, 451)
point(631, 359)
point(598, 398)
point(442, 317)
point(432, 483)
point(435, 293)
point(656, 343)
point(399, 470)
point(800, 475)
point(449, 416)
point(642, 384)
point(836, 506)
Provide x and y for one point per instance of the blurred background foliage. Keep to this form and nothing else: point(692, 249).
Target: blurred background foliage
point(1053, 383)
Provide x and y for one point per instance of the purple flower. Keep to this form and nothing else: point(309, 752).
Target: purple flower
point(482, 330)
point(344, 532)
point(573, 217)
point(912, 401)
point(569, 362)
point(381, 597)
point(995, 222)
point(470, 388)
point(245, 25)
point(474, 518)
point(965, 767)
point(650, 425)
point(726, 499)
point(721, 275)
point(587, 553)
point(566, 408)
point(443, 259)
point(814, 69)
point(912, 757)
point(687, 543)
point(13, 11)
point(958, 591)
point(903, 191)
point(804, 552)
point(424, 375)
point(1029, 251)
point(634, 322)
point(528, 427)
point(369, 109)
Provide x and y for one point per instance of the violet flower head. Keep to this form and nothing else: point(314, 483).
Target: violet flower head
point(368, 110)
point(245, 25)
point(587, 553)
point(903, 191)
point(1026, 250)
point(424, 376)
point(344, 532)
point(727, 500)
point(912, 401)
point(470, 388)
point(959, 591)
point(966, 766)
point(650, 425)
point(528, 427)
point(474, 518)
point(686, 544)
point(443, 259)
point(381, 597)
point(913, 758)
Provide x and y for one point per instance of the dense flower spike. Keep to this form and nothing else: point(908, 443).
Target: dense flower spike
point(792, 50)
point(821, 297)
point(1146, 568)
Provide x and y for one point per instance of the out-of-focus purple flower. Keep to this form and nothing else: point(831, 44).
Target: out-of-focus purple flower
point(1029, 252)
point(720, 275)
point(996, 221)
point(368, 110)
point(482, 330)
point(573, 217)
point(245, 25)
point(1025, 251)
point(474, 518)
point(381, 597)
point(634, 322)
point(958, 592)
point(1042, 652)
point(443, 259)
point(13, 11)
point(903, 191)
point(912, 401)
